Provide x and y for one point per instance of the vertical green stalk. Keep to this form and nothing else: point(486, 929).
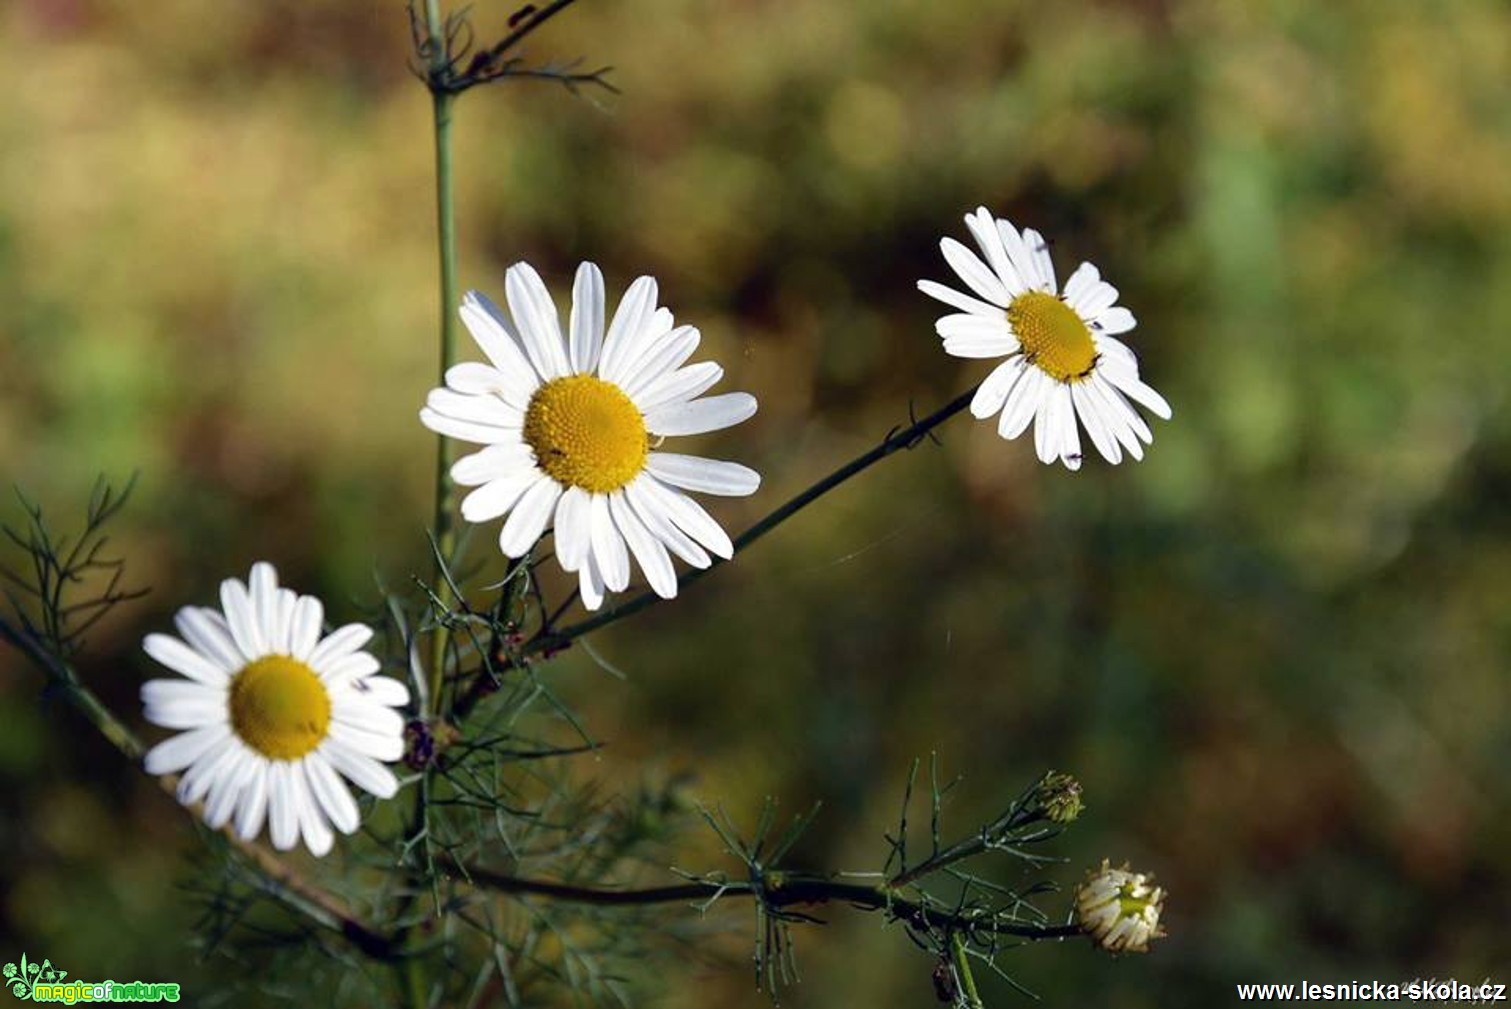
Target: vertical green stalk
point(445, 208)
point(971, 998)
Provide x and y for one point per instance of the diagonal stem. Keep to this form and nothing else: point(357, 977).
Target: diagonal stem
point(908, 437)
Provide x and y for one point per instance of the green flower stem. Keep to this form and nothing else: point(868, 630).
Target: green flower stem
point(442, 100)
point(963, 969)
point(777, 890)
point(547, 638)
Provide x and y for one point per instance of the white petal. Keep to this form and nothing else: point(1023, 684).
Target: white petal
point(379, 746)
point(225, 791)
point(608, 545)
point(1038, 249)
point(1116, 353)
point(586, 324)
point(648, 551)
point(487, 410)
point(669, 354)
point(171, 691)
point(344, 668)
point(177, 752)
point(1141, 394)
point(491, 463)
point(1080, 283)
point(992, 394)
point(590, 584)
point(496, 497)
point(977, 276)
point(498, 339)
point(678, 386)
point(571, 528)
point(1114, 320)
point(254, 801)
point(539, 323)
point(339, 642)
point(282, 630)
point(709, 476)
point(698, 416)
point(513, 389)
point(971, 336)
point(1095, 300)
point(687, 515)
point(1019, 253)
point(283, 805)
point(330, 794)
point(955, 298)
point(661, 527)
point(304, 635)
point(466, 430)
point(1022, 403)
point(1122, 419)
point(381, 690)
point(528, 520)
point(1069, 439)
point(984, 228)
point(242, 619)
point(1046, 437)
point(364, 772)
point(182, 659)
point(1090, 414)
point(355, 712)
point(206, 632)
point(262, 586)
point(317, 833)
point(195, 783)
point(185, 712)
point(630, 320)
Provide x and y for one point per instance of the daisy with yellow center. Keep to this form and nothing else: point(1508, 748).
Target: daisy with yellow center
point(1120, 909)
point(1063, 359)
point(572, 423)
point(274, 713)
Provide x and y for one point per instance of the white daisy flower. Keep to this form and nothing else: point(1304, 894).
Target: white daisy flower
point(568, 419)
point(1063, 361)
point(272, 712)
point(1120, 909)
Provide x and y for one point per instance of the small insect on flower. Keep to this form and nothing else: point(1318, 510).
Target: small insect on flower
point(568, 418)
point(1063, 359)
point(273, 713)
point(1120, 909)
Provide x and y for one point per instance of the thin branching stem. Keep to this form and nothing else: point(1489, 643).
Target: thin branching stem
point(776, 891)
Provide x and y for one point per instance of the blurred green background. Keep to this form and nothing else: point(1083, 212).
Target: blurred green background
point(1275, 652)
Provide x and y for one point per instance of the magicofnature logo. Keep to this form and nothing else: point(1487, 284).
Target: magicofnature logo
point(30, 981)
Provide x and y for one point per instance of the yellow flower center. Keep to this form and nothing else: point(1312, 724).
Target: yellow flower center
point(279, 707)
point(1052, 335)
point(586, 433)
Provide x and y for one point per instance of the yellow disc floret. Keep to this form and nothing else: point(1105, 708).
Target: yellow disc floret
point(1052, 335)
point(586, 433)
point(279, 707)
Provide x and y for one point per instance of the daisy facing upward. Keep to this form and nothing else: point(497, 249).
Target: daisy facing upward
point(571, 423)
point(1063, 359)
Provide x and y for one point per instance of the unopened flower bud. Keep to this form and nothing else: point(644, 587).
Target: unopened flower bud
point(1120, 909)
point(1060, 797)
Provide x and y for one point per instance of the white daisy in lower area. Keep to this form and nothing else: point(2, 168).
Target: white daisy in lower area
point(569, 419)
point(1063, 359)
point(1120, 909)
point(273, 714)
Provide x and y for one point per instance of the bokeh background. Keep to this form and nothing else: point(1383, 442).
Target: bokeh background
point(1275, 652)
